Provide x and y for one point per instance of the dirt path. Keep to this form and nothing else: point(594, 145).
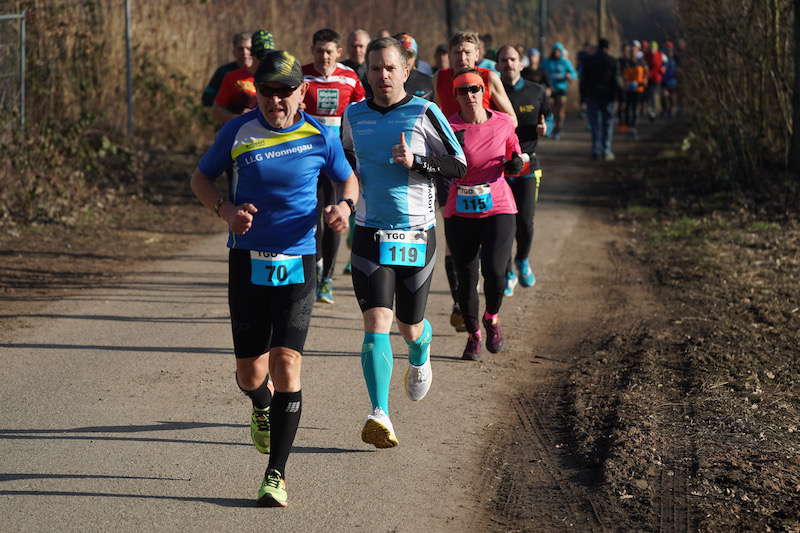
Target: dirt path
point(590, 288)
point(120, 408)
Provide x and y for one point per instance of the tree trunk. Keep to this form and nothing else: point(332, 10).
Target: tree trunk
point(794, 151)
point(601, 19)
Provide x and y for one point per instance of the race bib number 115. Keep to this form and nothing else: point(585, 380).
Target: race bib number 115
point(473, 199)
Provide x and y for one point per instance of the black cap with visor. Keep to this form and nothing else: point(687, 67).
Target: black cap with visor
point(279, 66)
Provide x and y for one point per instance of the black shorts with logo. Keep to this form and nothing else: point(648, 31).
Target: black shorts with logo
point(264, 317)
point(379, 285)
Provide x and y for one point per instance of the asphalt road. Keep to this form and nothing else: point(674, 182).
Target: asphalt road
point(120, 410)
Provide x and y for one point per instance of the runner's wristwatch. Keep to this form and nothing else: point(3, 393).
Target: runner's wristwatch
point(218, 204)
point(350, 204)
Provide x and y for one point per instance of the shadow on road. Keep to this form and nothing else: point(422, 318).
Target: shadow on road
point(115, 318)
point(222, 502)
point(18, 477)
point(158, 349)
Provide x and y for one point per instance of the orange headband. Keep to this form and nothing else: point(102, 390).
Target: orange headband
point(466, 79)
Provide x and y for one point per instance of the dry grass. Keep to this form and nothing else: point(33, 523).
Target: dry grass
point(76, 149)
point(77, 57)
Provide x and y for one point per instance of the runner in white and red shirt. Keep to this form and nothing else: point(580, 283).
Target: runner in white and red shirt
point(331, 88)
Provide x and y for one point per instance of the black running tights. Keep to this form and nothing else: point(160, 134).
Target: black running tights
point(489, 239)
point(327, 239)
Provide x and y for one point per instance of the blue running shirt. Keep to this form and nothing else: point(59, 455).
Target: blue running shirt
point(392, 196)
point(277, 171)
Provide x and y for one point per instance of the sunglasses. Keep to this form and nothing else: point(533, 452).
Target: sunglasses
point(472, 89)
point(280, 92)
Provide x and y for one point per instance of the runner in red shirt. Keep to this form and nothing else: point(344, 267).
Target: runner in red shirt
point(655, 65)
point(331, 87)
point(237, 93)
point(463, 53)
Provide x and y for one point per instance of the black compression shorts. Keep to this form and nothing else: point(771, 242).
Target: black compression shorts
point(378, 285)
point(264, 317)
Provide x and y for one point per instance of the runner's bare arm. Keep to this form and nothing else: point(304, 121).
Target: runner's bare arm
point(337, 216)
point(434, 96)
point(222, 115)
point(500, 98)
point(238, 217)
point(541, 127)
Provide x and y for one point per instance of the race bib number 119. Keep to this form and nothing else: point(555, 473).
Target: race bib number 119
point(402, 248)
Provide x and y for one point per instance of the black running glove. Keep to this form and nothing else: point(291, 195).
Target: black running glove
point(514, 165)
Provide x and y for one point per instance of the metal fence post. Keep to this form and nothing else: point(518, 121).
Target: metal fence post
point(20, 70)
point(22, 87)
point(542, 25)
point(128, 67)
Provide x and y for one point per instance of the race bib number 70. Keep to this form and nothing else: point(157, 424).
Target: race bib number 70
point(275, 270)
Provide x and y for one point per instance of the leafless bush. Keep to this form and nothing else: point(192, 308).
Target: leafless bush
point(737, 84)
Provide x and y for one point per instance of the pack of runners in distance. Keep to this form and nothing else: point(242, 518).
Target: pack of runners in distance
point(369, 147)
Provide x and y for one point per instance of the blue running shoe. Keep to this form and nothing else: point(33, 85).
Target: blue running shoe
point(526, 275)
point(511, 282)
point(325, 291)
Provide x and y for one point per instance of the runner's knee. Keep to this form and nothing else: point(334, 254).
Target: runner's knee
point(378, 320)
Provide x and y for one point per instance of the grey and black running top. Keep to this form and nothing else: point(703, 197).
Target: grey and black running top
point(392, 196)
point(530, 102)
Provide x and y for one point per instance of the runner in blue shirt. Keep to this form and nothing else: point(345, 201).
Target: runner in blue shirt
point(398, 144)
point(561, 73)
point(276, 153)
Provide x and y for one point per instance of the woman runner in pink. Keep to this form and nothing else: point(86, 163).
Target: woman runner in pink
point(479, 215)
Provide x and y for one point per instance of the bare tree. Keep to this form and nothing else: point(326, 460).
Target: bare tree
point(794, 150)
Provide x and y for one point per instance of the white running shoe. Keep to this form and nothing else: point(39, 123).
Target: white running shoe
point(418, 380)
point(378, 430)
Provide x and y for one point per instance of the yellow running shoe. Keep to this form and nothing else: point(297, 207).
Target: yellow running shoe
point(378, 430)
point(272, 492)
point(260, 429)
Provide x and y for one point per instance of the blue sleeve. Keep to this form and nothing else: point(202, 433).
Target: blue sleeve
point(336, 165)
point(571, 69)
point(218, 158)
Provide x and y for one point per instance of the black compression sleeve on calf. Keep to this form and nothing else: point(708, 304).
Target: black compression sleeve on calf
point(284, 419)
point(260, 396)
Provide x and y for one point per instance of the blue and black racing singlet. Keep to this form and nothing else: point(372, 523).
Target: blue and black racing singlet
point(277, 171)
point(392, 196)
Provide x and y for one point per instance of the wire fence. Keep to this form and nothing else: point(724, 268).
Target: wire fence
point(12, 71)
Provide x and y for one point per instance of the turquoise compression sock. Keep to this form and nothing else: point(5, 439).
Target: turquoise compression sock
point(419, 349)
point(377, 362)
